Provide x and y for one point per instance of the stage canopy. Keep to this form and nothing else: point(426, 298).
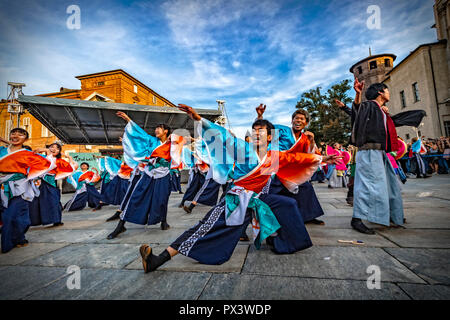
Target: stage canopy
point(95, 122)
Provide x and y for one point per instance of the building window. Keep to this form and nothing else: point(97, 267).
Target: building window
point(27, 125)
point(154, 100)
point(359, 70)
point(387, 63)
point(447, 128)
point(372, 65)
point(100, 83)
point(402, 99)
point(135, 88)
point(44, 132)
point(416, 92)
point(8, 128)
point(407, 136)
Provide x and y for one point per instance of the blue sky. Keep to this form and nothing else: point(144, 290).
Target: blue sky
point(198, 51)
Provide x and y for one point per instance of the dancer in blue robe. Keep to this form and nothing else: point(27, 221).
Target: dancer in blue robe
point(46, 208)
point(147, 204)
point(18, 167)
point(85, 192)
point(305, 195)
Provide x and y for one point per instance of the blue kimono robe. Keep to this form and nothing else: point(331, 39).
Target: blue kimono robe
point(147, 204)
point(306, 198)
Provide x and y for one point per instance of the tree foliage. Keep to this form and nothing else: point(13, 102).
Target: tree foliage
point(328, 122)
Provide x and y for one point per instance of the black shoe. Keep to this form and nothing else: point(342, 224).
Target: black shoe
point(57, 224)
point(115, 216)
point(119, 229)
point(316, 221)
point(181, 192)
point(181, 205)
point(164, 225)
point(426, 176)
point(330, 187)
point(99, 206)
point(360, 227)
point(189, 209)
point(150, 262)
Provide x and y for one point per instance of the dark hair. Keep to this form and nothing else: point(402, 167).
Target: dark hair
point(85, 164)
point(20, 130)
point(59, 147)
point(374, 90)
point(303, 112)
point(27, 147)
point(164, 127)
point(263, 123)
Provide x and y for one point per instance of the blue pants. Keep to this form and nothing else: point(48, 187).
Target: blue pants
point(148, 202)
point(92, 197)
point(211, 241)
point(306, 198)
point(129, 192)
point(377, 195)
point(175, 184)
point(16, 221)
point(46, 209)
point(115, 191)
point(208, 194)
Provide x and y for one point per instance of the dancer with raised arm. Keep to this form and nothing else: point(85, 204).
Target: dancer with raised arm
point(147, 204)
point(214, 238)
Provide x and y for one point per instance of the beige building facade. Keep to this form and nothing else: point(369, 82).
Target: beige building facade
point(422, 81)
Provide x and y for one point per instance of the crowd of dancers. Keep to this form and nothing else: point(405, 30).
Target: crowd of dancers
point(264, 179)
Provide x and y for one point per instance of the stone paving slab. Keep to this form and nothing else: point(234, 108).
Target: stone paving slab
point(18, 281)
point(430, 218)
point(347, 263)
point(431, 265)
point(426, 292)
point(70, 236)
point(255, 287)
point(70, 225)
point(415, 238)
point(329, 237)
point(115, 256)
point(127, 284)
point(31, 251)
point(182, 263)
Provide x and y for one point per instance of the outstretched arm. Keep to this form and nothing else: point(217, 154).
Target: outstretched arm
point(42, 150)
point(343, 107)
point(190, 112)
point(123, 115)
